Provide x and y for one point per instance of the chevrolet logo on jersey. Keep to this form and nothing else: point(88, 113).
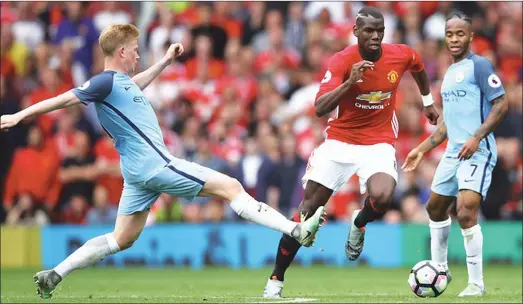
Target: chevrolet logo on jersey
point(374, 97)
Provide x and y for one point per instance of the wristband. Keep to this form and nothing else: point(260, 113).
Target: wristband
point(427, 100)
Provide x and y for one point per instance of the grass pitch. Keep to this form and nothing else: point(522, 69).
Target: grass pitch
point(316, 284)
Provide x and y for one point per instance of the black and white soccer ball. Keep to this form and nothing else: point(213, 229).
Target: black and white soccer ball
point(428, 279)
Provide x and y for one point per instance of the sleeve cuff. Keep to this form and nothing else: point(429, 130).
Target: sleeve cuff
point(496, 95)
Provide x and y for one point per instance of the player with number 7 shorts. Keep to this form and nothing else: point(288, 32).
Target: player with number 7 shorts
point(474, 104)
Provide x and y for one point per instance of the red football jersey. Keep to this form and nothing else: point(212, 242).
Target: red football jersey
point(366, 114)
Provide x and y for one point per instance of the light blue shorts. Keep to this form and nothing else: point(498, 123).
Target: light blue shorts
point(179, 178)
point(473, 174)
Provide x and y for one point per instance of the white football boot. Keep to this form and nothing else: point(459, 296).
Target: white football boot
point(273, 289)
point(473, 290)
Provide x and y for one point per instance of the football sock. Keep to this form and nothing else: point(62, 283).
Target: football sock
point(439, 236)
point(367, 214)
point(260, 213)
point(473, 239)
point(287, 250)
point(90, 253)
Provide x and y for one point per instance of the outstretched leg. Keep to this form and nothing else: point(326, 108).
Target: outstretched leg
point(227, 188)
point(380, 187)
point(126, 231)
point(315, 196)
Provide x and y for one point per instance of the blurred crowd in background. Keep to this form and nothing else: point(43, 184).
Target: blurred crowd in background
point(240, 101)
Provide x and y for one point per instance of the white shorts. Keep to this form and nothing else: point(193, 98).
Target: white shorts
point(334, 162)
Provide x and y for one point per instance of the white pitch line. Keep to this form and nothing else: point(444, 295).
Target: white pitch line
point(260, 299)
point(284, 300)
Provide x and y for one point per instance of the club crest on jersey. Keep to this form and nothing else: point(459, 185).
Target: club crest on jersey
point(460, 76)
point(392, 76)
point(374, 97)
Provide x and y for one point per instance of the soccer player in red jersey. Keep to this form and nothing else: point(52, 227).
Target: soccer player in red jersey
point(360, 85)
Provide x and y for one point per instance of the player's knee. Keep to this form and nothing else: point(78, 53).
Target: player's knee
point(436, 211)
point(232, 187)
point(381, 200)
point(467, 217)
point(125, 241)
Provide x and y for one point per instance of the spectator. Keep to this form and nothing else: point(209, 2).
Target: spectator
point(108, 157)
point(204, 60)
point(213, 211)
point(222, 17)
point(504, 177)
point(79, 172)
point(433, 25)
point(248, 166)
point(289, 171)
point(240, 78)
point(168, 209)
point(165, 32)
point(295, 27)
point(511, 125)
point(253, 24)
point(14, 50)
point(206, 27)
point(34, 171)
point(273, 21)
point(111, 13)
point(410, 27)
point(103, 211)
point(28, 29)
point(413, 211)
point(77, 34)
point(51, 85)
point(206, 158)
point(15, 138)
point(27, 212)
point(277, 58)
point(75, 211)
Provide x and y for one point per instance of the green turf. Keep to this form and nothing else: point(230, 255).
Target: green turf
point(317, 284)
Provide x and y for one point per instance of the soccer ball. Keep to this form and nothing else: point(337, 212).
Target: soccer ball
point(428, 279)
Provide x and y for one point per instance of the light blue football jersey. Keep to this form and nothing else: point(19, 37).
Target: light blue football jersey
point(129, 119)
point(468, 89)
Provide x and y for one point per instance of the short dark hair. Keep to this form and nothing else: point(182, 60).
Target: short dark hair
point(368, 11)
point(460, 15)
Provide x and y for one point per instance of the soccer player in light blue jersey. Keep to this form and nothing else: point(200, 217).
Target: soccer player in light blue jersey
point(147, 167)
point(474, 104)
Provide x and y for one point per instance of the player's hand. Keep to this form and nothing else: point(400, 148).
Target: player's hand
point(432, 114)
point(413, 159)
point(9, 121)
point(358, 69)
point(469, 148)
point(174, 51)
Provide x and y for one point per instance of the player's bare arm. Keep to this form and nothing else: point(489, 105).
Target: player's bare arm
point(61, 101)
point(416, 155)
point(329, 101)
point(145, 78)
point(496, 115)
point(422, 80)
